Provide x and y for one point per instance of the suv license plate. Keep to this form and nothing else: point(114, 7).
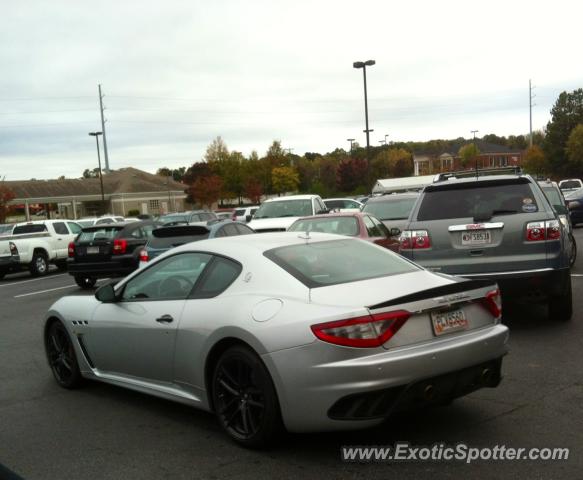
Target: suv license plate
point(447, 322)
point(478, 237)
point(92, 250)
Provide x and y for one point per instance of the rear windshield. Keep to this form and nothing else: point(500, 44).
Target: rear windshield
point(332, 262)
point(173, 219)
point(170, 242)
point(238, 213)
point(486, 199)
point(339, 225)
point(553, 195)
point(285, 208)
point(35, 228)
point(106, 232)
point(570, 184)
point(391, 208)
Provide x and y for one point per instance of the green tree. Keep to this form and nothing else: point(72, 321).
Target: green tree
point(535, 161)
point(574, 150)
point(566, 114)
point(216, 151)
point(468, 154)
point(94, 173)
point(284, 179)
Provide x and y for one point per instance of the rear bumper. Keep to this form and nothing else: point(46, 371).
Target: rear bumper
point(541, 283)
point(119, 268)
point(314, 380)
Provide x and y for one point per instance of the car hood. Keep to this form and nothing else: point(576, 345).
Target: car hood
point(377, 290)
point(271, 223)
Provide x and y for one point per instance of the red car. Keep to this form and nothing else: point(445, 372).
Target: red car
point(352, 224)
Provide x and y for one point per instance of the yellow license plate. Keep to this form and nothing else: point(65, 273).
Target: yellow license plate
point(447, 322)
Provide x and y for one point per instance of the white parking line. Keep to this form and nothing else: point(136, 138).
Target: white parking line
point(33, 280)
point(43, 291)
point(577, 274)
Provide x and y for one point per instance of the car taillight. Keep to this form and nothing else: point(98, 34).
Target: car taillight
point(365, 332)
point(414, 239)
point(13, 249)
point(144, 257)
point(119, 246)
point(71, 249)
point(493, 303)
point(538, 231)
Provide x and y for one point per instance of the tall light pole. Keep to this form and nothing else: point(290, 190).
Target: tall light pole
point(351, 140)
point(386, 136)
point(475, 153)
point(96, 135)
point(363, 65)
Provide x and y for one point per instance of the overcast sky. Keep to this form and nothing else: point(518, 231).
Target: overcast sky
point(176, 74)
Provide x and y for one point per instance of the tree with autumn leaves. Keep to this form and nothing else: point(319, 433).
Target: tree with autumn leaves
point(6, 195)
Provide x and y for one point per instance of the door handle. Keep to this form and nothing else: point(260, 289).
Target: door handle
point(165, 319)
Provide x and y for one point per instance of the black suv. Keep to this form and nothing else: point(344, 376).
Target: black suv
point(496, 226)
point(110, 250)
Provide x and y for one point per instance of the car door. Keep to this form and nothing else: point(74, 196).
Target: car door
point(61, 239)
point(135, 336)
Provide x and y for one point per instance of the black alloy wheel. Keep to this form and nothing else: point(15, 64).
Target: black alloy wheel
point(244, 398)
point(61, 355)
point(39, 265)
point(85, 282)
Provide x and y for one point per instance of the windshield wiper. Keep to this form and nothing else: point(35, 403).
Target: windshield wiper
point(503, 212)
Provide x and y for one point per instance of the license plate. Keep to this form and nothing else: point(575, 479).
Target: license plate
point(447, 322)
point(92, 250)
point(479, 237)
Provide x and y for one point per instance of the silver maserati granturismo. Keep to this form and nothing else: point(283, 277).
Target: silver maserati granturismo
point(302, 331)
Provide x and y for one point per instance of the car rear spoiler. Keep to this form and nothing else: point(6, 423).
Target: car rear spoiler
point(180, 230)
point(453, 288)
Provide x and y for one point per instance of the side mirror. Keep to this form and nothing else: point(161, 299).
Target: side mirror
point(106, 294)
point(248, 218)
point(395, 232)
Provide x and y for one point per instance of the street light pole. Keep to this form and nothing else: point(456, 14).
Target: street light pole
point(386, 136)
point(474, 132)
point(96, 135)
point(363, 65)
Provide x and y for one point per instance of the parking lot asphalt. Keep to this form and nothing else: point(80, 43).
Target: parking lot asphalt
point(105, 432)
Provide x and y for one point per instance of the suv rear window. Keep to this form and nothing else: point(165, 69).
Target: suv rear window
point(570, 184)
point(34, 228)
point(320, 264)
point(391, 207)
point(476, 199)
point(101, 233)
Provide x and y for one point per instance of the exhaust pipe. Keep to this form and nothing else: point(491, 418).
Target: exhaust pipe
point(428, 392)
point(486, 376)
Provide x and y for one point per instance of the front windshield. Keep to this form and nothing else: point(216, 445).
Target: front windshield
point(173, 219)
point(391, 208)
point(338, 225)
point(285, 208)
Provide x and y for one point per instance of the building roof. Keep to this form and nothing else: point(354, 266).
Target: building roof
point(123, 181)
point(485, 148)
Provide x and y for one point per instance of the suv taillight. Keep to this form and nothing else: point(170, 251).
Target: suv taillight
point(71, 249)
point(365, 332)
point(144, 257)
point(539, 231)
point(414, 239)
point(119, 246)
point(13, 249)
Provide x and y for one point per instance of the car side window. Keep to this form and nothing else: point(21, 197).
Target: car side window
point(371, 228)
point(194, 218)
point(221, 232)
point(169, 279)
point(244, 230)
point(147, 230)
point(231, 230)
point(61, 228)
point(381, 226)
point(137, 233)
point(104, 220)
point(220, 275)
point(74, 227)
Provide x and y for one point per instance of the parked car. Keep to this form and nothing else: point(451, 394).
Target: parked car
point(166, 238)
point(266, 331)
point(351, 224)
point(88, 221)
point(110, 250)
point(558, 202)
point(187, 218)
point(343, 204)
point(225, 214)
point(6, 229)
point(9, 259)
point(277, 214)
point(570, 185)
point(392, 209)
point(40, 243)
point(575, 205)
point(498, 227)
point(244, 214)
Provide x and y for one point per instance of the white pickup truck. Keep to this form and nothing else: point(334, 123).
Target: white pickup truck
point(38, 244)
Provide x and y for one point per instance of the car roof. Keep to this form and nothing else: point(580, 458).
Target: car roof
point(292, 197)
point(392, 196)
point(480, 179)
point(334, 214)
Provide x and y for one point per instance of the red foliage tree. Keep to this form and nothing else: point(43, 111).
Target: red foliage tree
point(6, 194)
point(253, 191)
point(206, 190)
point(350, 174)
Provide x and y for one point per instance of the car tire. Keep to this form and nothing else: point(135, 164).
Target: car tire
point(2, 274)
point(561, 306)
point(39, 265)
point(85, 282)
point(244, 398)
point(61, 356)
point(573, 252)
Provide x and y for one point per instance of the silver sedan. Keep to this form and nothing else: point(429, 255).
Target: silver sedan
point(308, 332)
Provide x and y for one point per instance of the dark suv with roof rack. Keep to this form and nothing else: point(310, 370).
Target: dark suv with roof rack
point(493, 226)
